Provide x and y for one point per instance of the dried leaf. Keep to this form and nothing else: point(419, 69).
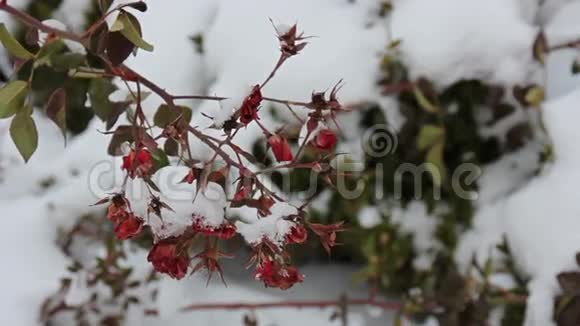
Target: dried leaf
point(539, 48)
point(118, 47)
point(56, 109)
point(569, 282)
point(166, 115)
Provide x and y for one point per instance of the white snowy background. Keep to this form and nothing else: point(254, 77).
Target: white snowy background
point(445, 40)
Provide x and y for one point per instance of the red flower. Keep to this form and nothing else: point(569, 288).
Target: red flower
point(166, 258)
point(297, 234)
point(249, 108)
point(137, 163)
point(129, 227)
point(327, 233)
point(281, 148)
point(325, 140)
point(276, 276)
point(224, 231)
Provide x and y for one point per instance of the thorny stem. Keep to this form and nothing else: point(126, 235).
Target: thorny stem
point(275, 100)
point(204, 138)
point(199, 97)
point(386, 305)
point(166, 96)
point(31, 21)
point(572, 44)
point(281, 60)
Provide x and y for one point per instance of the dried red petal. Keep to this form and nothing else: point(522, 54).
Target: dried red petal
point(325, 140)
point(280, 148)
point(243, 193)
point(130, 227)
point(288, 277)
point(165, 258)
point(224, 231)
point(249, 108)
point(276, 276)
point(264, 205)
point(327, 233)
point(297, 234)
point(117, 210)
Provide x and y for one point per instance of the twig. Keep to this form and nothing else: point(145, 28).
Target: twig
point(386, 305)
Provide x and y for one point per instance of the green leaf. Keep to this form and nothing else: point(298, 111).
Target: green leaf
point(576, 66)
point(132, 30)
point(24, 134)
point(171, 147)
point(428, 136)
point(436, 162)
point(104, 5)
point(67, 61)
point(50, 48)
point(166, 115)
point(12, 45)
point(12, 97)
point(99, 91)
point(56, 109)
point(139, 5)
point(160, 159)
point(535, 96)
point(117, 26)
point(394, 44)
point(423, 101)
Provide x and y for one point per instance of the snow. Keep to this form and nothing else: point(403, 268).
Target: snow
point(273, 227)
point(415, 220)
point(541, 218)
point(209, 204)
point(83, 173)
point(442, 40)
point(446, 41)
point(562, 28)
point(369, 217)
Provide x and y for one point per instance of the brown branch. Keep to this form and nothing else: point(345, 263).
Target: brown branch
point(217, 148)
point(199, 97)
point(572, 45)
point(140, 79)
point(33, 22)
point(386, 305)
point(275, 100)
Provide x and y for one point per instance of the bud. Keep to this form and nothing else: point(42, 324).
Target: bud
point(325, 140)
point(280, 148)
